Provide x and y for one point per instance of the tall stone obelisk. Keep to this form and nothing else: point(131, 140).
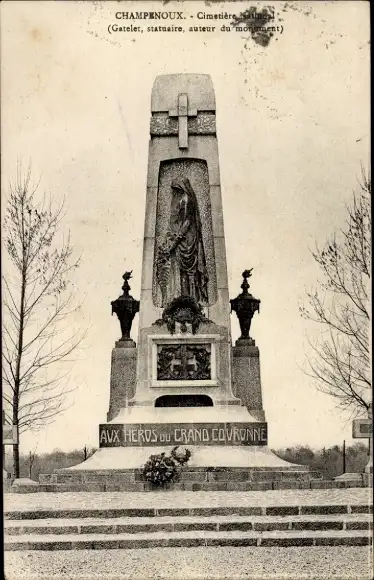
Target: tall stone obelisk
point(183, 153)
point(184, 388)
point(183, 383)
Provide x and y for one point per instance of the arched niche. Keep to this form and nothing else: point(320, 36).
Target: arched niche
point(196, 170)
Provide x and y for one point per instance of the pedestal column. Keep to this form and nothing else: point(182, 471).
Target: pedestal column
point(122, 377)
point(246, 376)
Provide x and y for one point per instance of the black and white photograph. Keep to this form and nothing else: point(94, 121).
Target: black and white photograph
point(186, 293)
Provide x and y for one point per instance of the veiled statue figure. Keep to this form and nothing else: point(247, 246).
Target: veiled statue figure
point(181, 267)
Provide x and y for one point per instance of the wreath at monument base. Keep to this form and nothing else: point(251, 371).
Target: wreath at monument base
point(162, 468)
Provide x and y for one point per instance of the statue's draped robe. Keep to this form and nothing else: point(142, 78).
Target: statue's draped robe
point(188, 272)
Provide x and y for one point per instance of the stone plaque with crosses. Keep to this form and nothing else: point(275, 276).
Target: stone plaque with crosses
point(176, 362)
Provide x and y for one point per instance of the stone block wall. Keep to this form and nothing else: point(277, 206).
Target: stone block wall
point(246, 379)
point(122, 378)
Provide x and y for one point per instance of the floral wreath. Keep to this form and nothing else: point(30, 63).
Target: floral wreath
point(162, 468)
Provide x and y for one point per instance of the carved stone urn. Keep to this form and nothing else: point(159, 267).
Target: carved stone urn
point(125, 307)
point(245, 305)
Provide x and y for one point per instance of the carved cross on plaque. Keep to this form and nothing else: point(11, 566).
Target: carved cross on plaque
point(183, 111)
point(184, 365)
point(181, 362)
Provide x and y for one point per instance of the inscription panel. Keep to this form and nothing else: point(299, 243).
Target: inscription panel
point(10, 434)
point(362, 428)
point(150, 434)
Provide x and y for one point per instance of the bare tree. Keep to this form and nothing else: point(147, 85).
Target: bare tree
point(340, 356)
point(38, 337)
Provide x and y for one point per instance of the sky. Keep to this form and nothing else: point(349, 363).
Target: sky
point(293, 131)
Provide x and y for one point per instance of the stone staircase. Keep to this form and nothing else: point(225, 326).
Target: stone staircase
point(91, 529)
point(189, 479)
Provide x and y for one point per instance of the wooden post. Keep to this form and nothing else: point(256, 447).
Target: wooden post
point(344, 463)
point(363, 429)
point(369, 466)
point(4, 445)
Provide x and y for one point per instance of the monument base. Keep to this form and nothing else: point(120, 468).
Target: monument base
point(258, 458)
point(229, 452)
point(209, 469)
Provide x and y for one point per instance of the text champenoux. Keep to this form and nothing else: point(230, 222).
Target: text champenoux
point(149, 15)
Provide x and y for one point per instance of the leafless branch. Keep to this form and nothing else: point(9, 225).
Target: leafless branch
point(340, 358)
point(38, 305)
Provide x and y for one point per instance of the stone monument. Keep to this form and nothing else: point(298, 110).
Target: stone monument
point(184, 383)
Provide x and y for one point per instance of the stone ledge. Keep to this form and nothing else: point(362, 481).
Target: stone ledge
point(322, 484)
point(291, 484)
point(308, 512)
point(282, 511)
point(183, 523)
point(323, 509)
point(183, 539)
point(189, 481)
point(344, 541)
point(359, 525)
point(25, 489)
point(315, 526)
point(194, 474)
point(129, 487)
point(361, 509)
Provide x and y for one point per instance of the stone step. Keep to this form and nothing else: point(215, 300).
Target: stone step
point(298, 474)
point(136, 525)
point(269, 510)
point(187, 539)
point(110, 485)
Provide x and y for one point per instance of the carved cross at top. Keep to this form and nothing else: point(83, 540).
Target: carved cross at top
point(183, 111)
